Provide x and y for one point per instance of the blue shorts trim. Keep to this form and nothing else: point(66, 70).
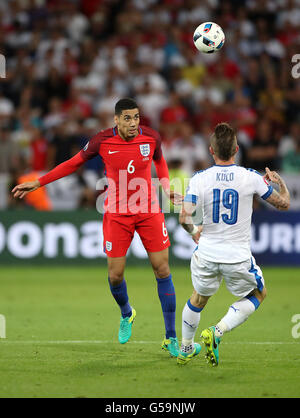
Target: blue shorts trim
point(258, 278)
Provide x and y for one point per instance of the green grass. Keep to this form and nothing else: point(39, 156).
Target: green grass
point(46, 306)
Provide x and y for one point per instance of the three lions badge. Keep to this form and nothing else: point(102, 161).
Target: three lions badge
point(145, 150)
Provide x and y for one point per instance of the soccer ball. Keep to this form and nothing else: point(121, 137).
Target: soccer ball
point(209, 37)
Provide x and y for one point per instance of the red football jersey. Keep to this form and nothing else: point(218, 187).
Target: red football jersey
point(128, 169)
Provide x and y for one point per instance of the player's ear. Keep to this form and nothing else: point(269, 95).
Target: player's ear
point(116, 119)
point(211, 150)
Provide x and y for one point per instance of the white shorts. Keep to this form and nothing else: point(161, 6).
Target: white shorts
point(240, 278)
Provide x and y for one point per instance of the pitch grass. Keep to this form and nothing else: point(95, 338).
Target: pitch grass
point(62, 327)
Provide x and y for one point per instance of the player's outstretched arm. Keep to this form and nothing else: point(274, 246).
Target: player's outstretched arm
point(62, 170)
point(23, 189)
point(279, 200)
point(186, 221)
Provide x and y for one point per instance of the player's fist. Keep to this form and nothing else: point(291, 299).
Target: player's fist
point(272, 176)
point(176, 198)
point(23, 189)
point(196, 236)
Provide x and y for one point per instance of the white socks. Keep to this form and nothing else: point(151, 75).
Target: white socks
point(190, 322)
point(238, 313)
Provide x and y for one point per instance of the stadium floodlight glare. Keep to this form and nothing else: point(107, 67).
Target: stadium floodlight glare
point(2, 326)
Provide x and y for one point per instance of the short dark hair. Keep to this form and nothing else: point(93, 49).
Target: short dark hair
point(223, 141)
point(125, 104)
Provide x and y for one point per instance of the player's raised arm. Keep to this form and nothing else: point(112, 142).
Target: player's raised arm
point(66, 168)
point(281, 200)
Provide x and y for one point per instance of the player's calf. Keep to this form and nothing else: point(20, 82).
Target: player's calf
point(167, 297)
point(190, 320)
point(240, 311)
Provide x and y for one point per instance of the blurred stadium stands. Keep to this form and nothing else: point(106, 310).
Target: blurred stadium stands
point(68, 62)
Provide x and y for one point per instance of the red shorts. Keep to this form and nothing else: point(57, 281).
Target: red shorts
point(118, 232)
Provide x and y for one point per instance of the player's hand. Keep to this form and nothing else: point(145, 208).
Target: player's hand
point(176, 198)
point(23, 189)
point(272, 176)
point(196, 236)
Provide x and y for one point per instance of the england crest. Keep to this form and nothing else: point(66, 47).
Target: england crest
point(145, 150)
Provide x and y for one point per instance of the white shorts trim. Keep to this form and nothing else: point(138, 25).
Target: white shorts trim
point(240, 278)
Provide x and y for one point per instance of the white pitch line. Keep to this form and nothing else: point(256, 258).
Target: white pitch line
point(137, 342)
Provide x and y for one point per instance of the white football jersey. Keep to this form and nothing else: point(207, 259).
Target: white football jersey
point(224, 193)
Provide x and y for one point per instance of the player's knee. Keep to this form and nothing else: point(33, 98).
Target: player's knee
point(162, 271)
point(260, 295)
point(263, 295)
point(199, 301)
point(115, 278)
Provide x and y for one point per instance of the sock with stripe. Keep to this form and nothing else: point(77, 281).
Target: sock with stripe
point(120, 295)
point(166, 293)
point(190, 321)
point(237, 314)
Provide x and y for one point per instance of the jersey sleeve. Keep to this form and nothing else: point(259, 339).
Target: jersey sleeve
point(91, 149)
point(193, 191)
point(162, 172)
point(62, 170)
point(260, 184)
point(158, 151)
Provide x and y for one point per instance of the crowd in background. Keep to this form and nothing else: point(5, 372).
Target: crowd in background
point(69, 61)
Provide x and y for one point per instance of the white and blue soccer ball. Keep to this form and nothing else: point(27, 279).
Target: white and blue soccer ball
point(209, 37)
